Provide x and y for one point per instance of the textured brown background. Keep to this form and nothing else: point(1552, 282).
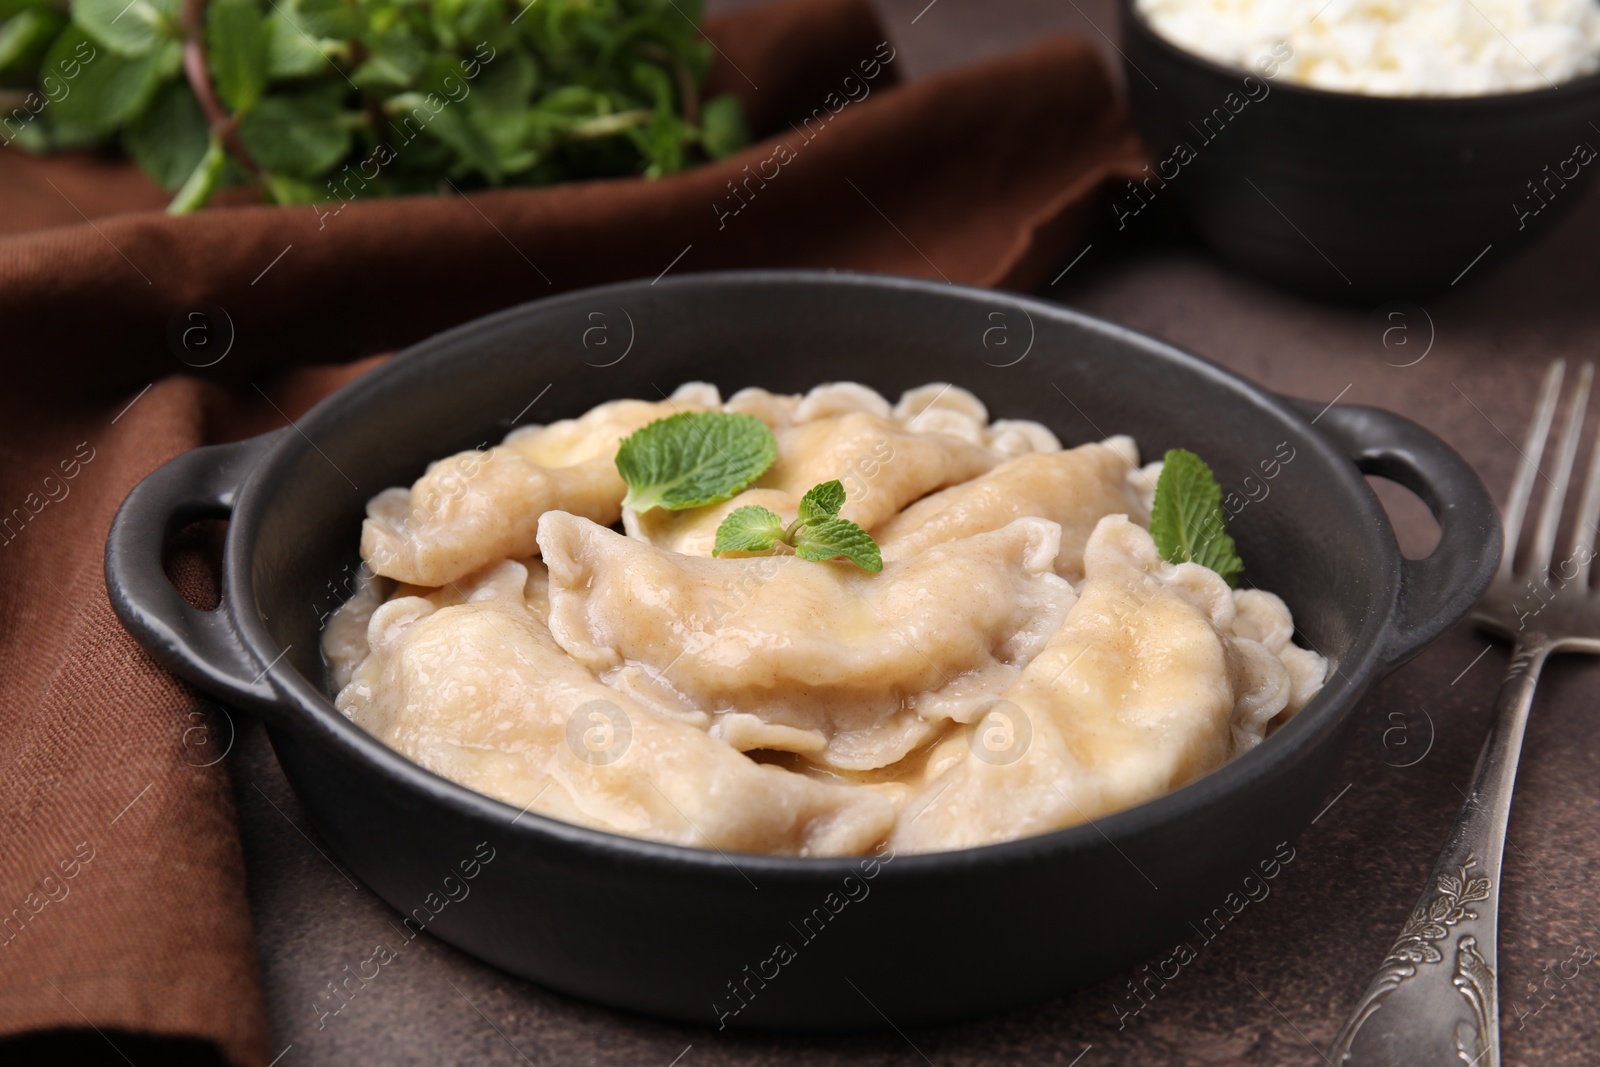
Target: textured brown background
point(1274, 987)
point(1280, 980)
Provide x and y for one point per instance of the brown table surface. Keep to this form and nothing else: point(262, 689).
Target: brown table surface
point(1275, 986)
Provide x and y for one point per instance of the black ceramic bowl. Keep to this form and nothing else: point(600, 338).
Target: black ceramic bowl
point(669, 930)
point(1351, 196)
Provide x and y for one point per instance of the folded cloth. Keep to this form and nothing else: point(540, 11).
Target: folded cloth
point(122, 898)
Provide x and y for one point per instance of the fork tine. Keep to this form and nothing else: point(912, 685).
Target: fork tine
point(1532, 451)
point(1544, 537)
point(1583, 527)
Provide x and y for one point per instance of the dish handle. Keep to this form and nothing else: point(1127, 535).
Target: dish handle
point(200, 646)
point(1438, 590)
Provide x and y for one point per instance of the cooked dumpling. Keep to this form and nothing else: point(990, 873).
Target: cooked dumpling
point(1264, 617)
point(863, 669)
point(1018, 437)
point(918, 403)
point(478, 507)
point(882, 465)
point(1144, 688)
point(478, 692)
point(1025, 660)
point(344, 638)
point(1075, 488)
point(840, 398)
point(774, 409)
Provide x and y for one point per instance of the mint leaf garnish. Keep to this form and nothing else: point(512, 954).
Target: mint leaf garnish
point(1186, 520)
point(822, 502)
point(751, 528)
point(838, 538)
point(693, 458)
point(818, 534)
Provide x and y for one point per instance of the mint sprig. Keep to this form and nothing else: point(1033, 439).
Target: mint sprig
point(1186, 519)
point(817, 534)
point(693, 458)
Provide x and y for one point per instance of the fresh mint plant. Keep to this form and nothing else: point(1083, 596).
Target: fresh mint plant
point(1186, 520)
point(816, 534)
point(325, 101)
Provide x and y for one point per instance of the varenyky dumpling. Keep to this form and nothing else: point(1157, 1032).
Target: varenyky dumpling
point(477, 507)
point(478, 692)
point(1075, 488)
point(856, 670)
point(1025, 660)
point(1144, 687)
point(882, 465)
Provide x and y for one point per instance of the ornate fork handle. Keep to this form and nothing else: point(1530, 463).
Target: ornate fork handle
point(1433, 1000)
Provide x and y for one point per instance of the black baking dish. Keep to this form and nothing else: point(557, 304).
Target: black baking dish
point(689, 933)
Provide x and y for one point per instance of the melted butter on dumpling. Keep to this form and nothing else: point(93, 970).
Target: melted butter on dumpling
point(872, 662)
point(478, 692)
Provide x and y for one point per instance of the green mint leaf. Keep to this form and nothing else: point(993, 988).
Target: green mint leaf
point(693, 458)
point(330, 18)
point(291, 51)
point(453, 124)
point(822, 502)
point(300, 136)
point(508, 132)
point(128, 29)
point(722, 126)
point(834, 538)
point(25, 35)
point(395, 59)
point(170, 137)
point(12, 7)
point(107, 88)
point(236, 48)
point(751, 528)
point(1186, 521)
point(507, 83)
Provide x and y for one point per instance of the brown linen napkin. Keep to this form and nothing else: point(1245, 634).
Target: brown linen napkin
point(122, 904)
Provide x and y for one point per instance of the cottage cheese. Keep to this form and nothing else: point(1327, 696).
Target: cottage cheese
point(1394, 47)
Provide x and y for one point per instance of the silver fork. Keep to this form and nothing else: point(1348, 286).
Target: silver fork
point(1434, 998)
